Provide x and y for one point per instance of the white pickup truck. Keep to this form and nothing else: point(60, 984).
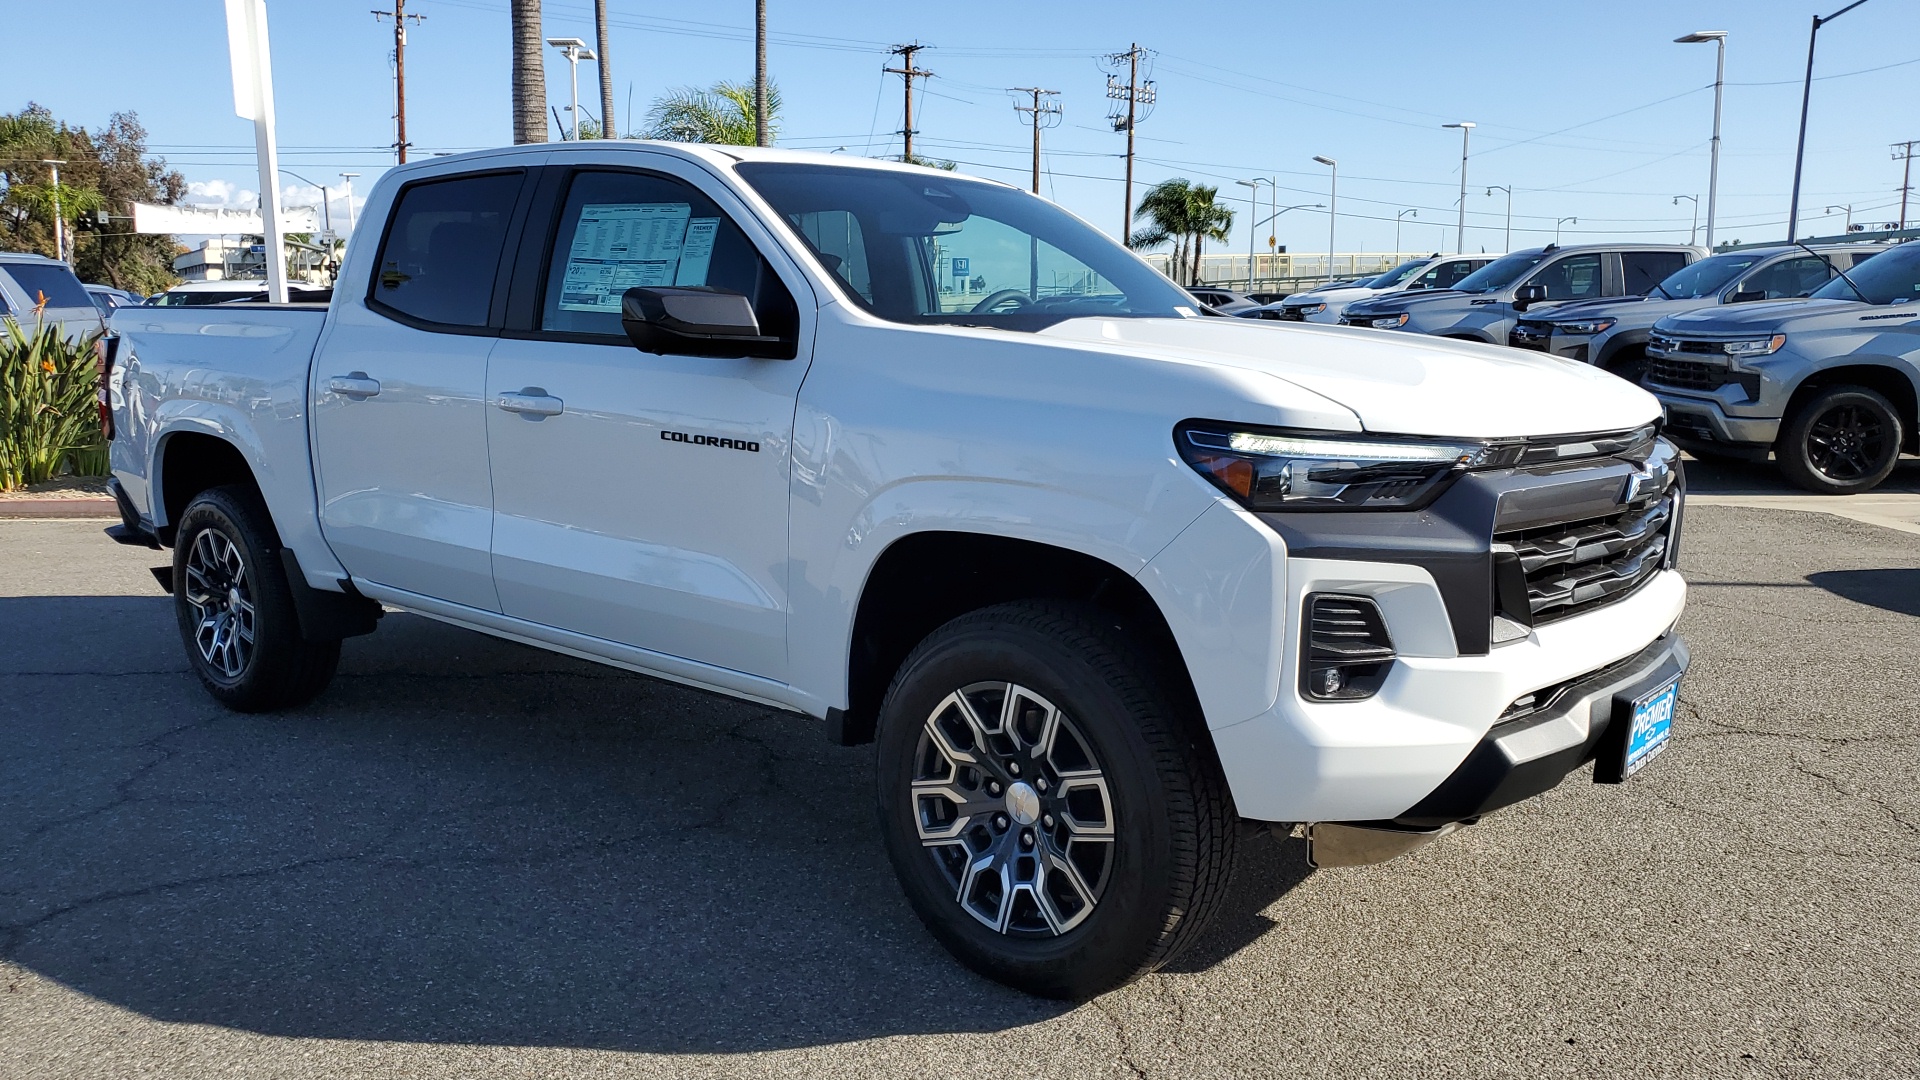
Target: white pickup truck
point(933, 461)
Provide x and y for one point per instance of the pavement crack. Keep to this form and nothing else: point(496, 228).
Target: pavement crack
point(1127, 1056)
point(123, 788)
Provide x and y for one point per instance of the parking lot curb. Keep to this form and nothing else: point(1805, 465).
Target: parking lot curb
point(58, 508)
point(1834, 507)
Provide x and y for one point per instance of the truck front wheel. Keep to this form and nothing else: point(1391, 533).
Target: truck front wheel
point(1044, 803)
point(1842, 441)
point(235, 610)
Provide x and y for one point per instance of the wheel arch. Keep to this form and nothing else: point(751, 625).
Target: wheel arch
point(1892, 382)
point(1627, 341)
point(187, 462)
point(924, 579)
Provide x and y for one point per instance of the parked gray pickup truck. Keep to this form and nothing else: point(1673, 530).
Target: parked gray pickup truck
point(1828, 385)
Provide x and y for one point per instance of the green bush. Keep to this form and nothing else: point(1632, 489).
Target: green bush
point(49, 424)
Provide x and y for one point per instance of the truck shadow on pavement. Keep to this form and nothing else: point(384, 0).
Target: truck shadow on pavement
point(1895, 589)
point(465, 841)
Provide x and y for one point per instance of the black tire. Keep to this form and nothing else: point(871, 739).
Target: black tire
point(1842, 441)
point(1165, 801)
point(278, 668)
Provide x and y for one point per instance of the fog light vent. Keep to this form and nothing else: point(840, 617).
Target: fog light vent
point(1348, 653)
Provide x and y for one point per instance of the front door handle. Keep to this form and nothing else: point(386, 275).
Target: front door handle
point(531, 401)
point(356, 385)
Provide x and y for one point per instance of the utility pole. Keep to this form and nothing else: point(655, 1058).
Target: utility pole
point(59, 226)
point(399, 16)
point(908, 72)
point(349, 178)
point(1466, 135)
point(1040, 112)
point(1135, 93)
point(1904, 152)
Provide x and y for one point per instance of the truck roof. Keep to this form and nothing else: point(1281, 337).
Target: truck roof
point(708, 153)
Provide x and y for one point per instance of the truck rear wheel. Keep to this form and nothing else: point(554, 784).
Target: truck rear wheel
point(235, 610)
point(1842, 441)
point(1044, 802)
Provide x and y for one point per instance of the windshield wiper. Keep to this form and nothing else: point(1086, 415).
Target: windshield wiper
point(1835, 269)
point(1664, 292)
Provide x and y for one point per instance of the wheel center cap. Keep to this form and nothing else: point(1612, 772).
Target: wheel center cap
point(1023, 803)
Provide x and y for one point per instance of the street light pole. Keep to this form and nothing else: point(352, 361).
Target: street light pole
point(1719, 38)
point(575, 50)
point(1848, 208)
point(1695, 199)
point(59, 226)
point(1333, 206)
point(1397, 219)
point(1253, 229)
point(348, 177)
point(1509, 190)
point(1556, 228)
point(1806, 95)
point(1466, 133)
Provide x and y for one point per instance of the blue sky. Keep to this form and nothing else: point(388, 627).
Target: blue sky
point(1587, 109)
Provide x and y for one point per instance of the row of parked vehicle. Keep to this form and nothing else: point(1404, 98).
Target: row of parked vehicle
point(30, 283)
point(1810, 355)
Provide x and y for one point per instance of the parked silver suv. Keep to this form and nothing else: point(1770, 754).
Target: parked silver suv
point(1612, 334)
point(35, 289)
point(1827, 384)
point(1486, 303)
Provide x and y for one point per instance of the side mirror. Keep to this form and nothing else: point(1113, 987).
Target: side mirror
point(1528, 295)
point(697, 320)
point(1747, 296)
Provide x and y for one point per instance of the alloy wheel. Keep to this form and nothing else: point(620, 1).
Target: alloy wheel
point(1014, 809)
point(216, 588)
point(1847, 442)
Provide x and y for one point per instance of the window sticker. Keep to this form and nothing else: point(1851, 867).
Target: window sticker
point(617, 246)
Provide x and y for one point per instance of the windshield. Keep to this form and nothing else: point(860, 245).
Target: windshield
point(1501, 272)
point(1397, 275)
point(1891, 277)
point(1708, 276)
point(939, 249)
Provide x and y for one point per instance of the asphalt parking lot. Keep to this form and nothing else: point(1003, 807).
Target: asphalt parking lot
point(473, 859)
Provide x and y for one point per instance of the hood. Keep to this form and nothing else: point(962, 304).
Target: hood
point(1643, 309)
point(1401, 384)
point(1332, 295)
point(1761, 315)
point(1395, 302)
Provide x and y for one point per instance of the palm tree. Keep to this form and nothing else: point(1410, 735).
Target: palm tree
point(529, 74)
point(761, 113)
point(722, 114)
point(1207, 219)
point(606, 72)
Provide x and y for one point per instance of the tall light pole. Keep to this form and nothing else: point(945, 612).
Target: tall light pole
point(1719, 38)
point(1806, 95)
point(1556, 228)
point(575, 50)
point(1253, 228)
point(1333, 205)
point(1397, 219)
point(1466, 133)
point(1848, 208)
point(1695, 199)
point(1509, 190)
point(349, 178)
point(59, 226)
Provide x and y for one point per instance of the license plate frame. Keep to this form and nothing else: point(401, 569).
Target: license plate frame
point(1649, 727)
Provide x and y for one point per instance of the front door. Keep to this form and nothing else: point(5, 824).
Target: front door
point(399, 424)
point(640, 498)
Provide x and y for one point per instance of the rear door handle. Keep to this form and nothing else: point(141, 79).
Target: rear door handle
point(356, 385)
point(532, 401)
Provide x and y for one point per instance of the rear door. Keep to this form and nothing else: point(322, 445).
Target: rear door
point(642, 498)
point(399, 384)
point(1640, 271)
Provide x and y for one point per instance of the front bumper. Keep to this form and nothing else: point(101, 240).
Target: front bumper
point(1521, 758)
point(1706, 421)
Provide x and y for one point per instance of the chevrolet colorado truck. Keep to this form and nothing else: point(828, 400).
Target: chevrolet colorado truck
point(1828, 385)
point(1102, 576)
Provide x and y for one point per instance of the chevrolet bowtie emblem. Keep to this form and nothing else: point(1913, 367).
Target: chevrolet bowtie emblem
point(1641, 481)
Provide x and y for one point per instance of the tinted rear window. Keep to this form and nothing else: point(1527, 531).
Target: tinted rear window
point(442, 250)
point(52, 280)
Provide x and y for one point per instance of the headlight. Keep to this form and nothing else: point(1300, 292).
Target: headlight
point(1589, 326)
point(1277, 470)
point(1313, 309)
point(1390, 322)
point(1754, 346)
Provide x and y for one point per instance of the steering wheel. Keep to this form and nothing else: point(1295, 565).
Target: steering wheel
point(994, 300)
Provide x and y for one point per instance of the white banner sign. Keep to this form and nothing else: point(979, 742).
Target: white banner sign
point(219, 221)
